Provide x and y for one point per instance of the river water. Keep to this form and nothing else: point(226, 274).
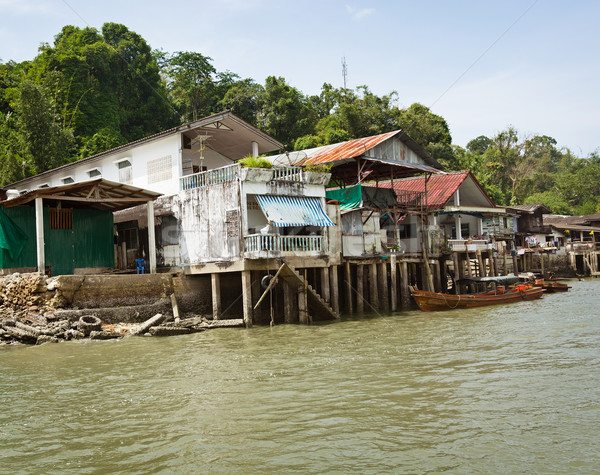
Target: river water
point(505, 389)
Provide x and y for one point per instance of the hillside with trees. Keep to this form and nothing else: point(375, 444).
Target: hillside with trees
point(94, 90)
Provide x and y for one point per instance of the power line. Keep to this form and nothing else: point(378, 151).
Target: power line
point(484, 53)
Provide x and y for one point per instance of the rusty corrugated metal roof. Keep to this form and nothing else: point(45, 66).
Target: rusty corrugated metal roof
point(440, 188)
point(349, 149)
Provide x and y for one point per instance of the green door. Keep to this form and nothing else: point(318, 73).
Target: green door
point(59, 251)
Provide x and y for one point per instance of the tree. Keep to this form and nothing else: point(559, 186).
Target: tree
point(245, 99)
point(431, 131)
point(286, 114)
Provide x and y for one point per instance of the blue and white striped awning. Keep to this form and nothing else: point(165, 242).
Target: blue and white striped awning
point(284, 211)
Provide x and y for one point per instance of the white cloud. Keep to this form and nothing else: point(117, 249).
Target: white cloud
point(359, 14)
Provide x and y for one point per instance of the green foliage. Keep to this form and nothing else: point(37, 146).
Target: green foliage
point(318, 167)
point(250, 161)
point(551, 200)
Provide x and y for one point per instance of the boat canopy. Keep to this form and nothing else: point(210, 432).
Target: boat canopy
point(501, 279)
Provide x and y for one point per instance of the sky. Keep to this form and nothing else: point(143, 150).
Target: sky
point(483, 65)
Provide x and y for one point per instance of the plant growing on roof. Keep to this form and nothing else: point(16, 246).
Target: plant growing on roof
point(318, 167)
point(250, 161)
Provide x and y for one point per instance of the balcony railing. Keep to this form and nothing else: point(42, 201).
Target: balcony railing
point(211, 177)
point(233, 172)
point(287, 174)
point(277, 243)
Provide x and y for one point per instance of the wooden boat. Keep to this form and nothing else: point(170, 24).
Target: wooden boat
point(428, 301)
point(553, 286)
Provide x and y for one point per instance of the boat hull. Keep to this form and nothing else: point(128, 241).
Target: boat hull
point(430, 301)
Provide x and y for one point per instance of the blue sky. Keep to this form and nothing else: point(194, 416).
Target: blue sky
point(539, 70)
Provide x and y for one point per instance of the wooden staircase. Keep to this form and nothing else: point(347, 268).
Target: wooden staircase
point(320, 308)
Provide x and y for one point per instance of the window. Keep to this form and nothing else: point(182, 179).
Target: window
point(464, 230)
point(67, 180)
point(187, 142)
point(125, 171)
point(61, 218)
point(160, 169)
point(94, 173)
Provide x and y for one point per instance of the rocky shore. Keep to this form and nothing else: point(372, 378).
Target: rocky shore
point(31, 313)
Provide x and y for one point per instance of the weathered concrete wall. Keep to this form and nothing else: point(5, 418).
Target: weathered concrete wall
point(210, 223)
point(95, 291)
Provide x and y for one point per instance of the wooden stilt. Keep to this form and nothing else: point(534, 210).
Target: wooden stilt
point(515, 260)
point(373, 292)
point(302, 306)
point(383, 287)
point(480, 263)
point(404, 290)
point(215, 285)
point(290, 303)
point(360, 289)
point(325, 290)
point(335, 290)
point(348, 277)
point(247, 297)
point(436, 276)
point(393, 283)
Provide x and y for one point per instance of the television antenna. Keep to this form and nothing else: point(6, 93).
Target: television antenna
point(344, 70)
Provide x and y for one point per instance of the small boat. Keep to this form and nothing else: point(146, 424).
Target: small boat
point(553, 286)
point(428, 301)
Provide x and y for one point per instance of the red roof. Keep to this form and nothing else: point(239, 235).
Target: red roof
point(440, 188)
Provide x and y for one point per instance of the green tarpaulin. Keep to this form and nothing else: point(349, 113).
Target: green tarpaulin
point(349, 198)
point(366, 196)
point(12, 237)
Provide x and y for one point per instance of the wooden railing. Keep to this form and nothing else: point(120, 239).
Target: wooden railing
point(410, 199)
point(210, 177)
point(277, 243)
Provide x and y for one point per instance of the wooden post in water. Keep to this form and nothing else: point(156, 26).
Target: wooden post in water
point(247, 297)
point(542, 263)
point(348, 278)
point(302, 307)
point(383, 287)
point(515, 260)
point(325, 291)
point(404, 290)
point(429, 276)
point(290, 303)
point(373, 293)
point(215, 284)
point(505, 260)
point(393, 283)
point(360, 290)
point(335, 291)
point(480, 263)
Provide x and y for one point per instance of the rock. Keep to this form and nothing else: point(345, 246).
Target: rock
point(151, 322)
point(102, 335)
point(74, 334)
point(46, 339)
point(169, 330)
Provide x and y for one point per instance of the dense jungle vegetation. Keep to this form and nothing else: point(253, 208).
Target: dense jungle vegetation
point(93, 90)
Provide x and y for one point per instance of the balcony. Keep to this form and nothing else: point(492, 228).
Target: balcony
point(471, 245)
point(410, 199)
point(268, 245)
point(257, 175)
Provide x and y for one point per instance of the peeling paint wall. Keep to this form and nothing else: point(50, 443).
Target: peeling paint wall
point(210, 223)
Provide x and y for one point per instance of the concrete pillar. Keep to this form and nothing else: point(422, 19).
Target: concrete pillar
point(393, 283)
point(151, 238)
point(404, 290)
point(247, 297)
point(334, 289)
point(255, 149)
point(457, 223)
point(360, 289)
point(39, 234)
point(325, 290)
point(215, 284)
point(348, 283)
point(123, 250)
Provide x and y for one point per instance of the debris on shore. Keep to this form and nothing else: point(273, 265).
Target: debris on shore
point(29, 315)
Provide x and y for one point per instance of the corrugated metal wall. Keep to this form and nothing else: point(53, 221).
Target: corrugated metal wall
point(88, 244)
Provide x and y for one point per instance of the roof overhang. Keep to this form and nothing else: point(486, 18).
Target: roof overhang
point(359, 169)
point(474, 209)
point(99, 194)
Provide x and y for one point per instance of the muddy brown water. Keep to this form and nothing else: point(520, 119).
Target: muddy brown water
point(506, 389)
